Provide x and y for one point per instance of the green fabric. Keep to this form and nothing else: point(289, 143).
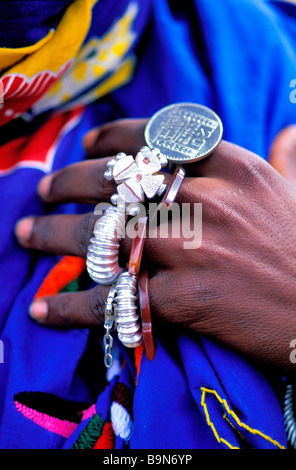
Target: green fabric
point(90, 434)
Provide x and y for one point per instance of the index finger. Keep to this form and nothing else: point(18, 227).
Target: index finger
point(84, 182)
point(123, 135)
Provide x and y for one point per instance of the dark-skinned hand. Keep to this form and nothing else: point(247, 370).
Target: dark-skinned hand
point(238, 287)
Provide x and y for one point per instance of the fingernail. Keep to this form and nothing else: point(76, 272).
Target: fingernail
point(44, 186)
point(24, 228)
point(38, 310)
point(90, 139)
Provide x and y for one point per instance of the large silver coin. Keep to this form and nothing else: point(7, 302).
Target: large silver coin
point(184, 132)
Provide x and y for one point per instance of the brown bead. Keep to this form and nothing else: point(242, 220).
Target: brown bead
point(144, 304)
point(137, 247)
point(174, 186)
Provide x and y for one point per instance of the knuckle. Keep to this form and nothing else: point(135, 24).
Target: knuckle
point(160, 303)
point(225, 210)
point(41, 234)
point(96, 306)
point(61, 311)
point(56, 189)
point(251, 170)
point(228, 213)
point(166, 302)
point(102, 187)
point(252, 173)
point(85, 233)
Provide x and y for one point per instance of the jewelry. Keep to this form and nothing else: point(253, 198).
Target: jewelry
point(289, 418)
point(124, 291)
point(128, 326)
point(147, 327)
point(102, 255)
point(130, 333)
point(110, 316)
point(173, 189)
point(137, 178)
point(143, 293)
point(184, 133)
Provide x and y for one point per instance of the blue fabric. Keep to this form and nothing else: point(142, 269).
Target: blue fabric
point(171, 388)
point(24, 23)
point(237, 57)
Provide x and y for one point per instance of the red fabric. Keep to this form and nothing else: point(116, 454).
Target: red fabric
point(37, 152)
point(64, 272)
point(18, 93)
point(107, 438)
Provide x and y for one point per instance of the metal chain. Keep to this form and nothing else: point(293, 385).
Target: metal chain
point(108, 343)
point(110, 315)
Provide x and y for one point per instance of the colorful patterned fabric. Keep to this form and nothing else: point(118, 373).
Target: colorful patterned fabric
point(82, 64)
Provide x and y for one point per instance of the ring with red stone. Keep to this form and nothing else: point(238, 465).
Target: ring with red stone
point(137, 178)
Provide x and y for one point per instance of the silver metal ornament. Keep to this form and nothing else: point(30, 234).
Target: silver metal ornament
point(127, 320)
point(137, 177)
point(102, 256)
point(184, 132)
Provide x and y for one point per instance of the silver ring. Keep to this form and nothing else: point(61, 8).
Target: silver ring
point(137, 177)
point(102, 254)
point(127, 324)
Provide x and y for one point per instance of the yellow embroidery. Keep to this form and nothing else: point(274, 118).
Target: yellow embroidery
point(116, 80)
point(80, 72)
point(234, 416)
point(102, 60)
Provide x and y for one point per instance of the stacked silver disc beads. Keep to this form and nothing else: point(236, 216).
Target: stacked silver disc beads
point(128, 327)
point(102, 256)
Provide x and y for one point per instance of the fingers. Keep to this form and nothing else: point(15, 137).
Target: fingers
point(71, 234)
point(209, 165)
point(82, 182)
point(125, 135)
point(86, 309)
point(78, 309)
point(196, 303)
point(60, 234)
point(71, 310)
